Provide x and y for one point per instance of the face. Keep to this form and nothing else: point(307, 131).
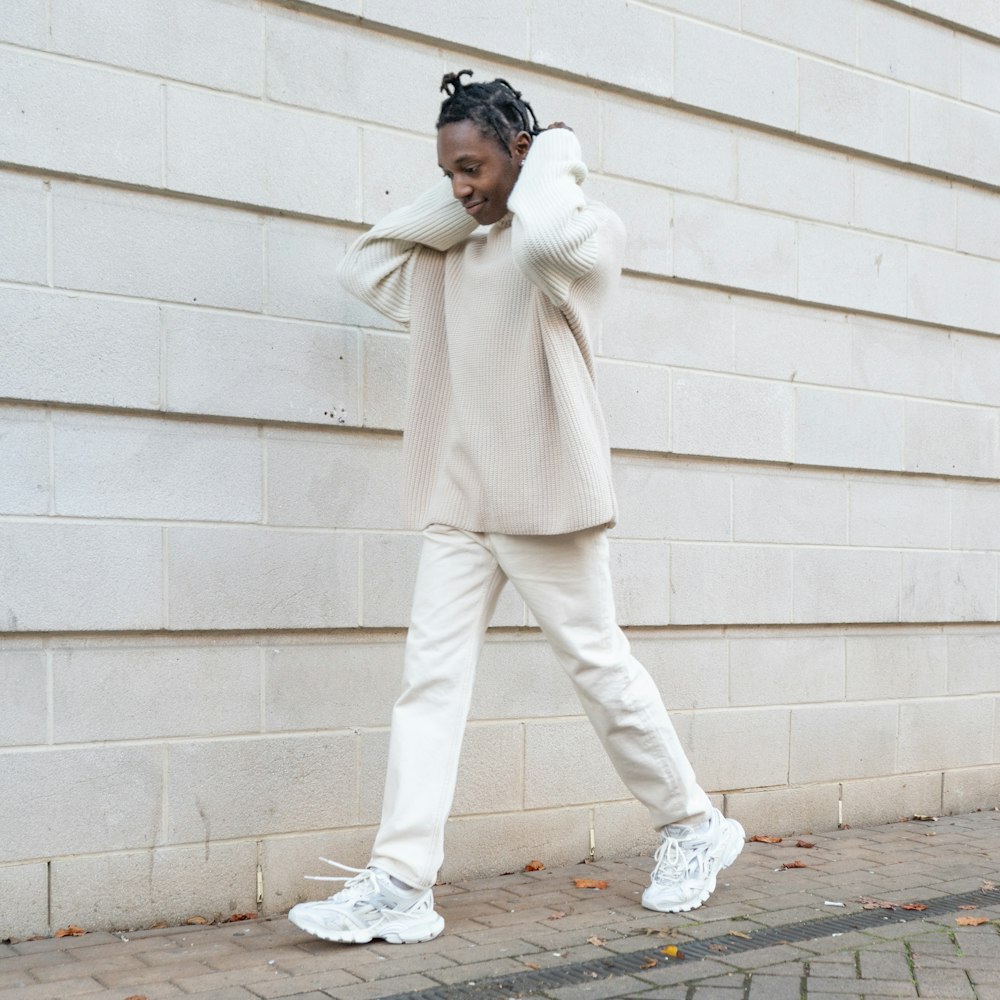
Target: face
point(481, 171)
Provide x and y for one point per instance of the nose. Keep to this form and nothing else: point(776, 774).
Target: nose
point(461, 189)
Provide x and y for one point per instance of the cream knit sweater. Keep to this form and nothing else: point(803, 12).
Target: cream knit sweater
point(504, 432)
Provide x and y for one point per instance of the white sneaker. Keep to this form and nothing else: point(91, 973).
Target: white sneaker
point(369, 906)
point(687, 867)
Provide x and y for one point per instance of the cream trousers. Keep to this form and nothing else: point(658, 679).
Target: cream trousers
point(565, 580)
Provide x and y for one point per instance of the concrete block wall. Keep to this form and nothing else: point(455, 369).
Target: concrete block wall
point(203, 580)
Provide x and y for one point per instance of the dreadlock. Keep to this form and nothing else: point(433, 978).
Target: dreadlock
point(496, 108)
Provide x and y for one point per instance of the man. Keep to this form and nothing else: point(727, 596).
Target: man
point(508, 474)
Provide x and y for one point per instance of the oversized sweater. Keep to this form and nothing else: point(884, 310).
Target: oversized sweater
point(503, 432)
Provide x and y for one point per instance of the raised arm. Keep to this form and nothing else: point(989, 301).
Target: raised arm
point(378, 266)
point(554, 232)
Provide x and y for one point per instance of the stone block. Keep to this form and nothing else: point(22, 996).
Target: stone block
point(970, 790)
point(963, 13)
point(647, 213)
point(976, 368)
point(102, 693)
point(388, 575)
point(879, 667)
point(24, 710)
point(720, 11)
point(898, 203)
point(734, 74)
point(383, 187)
point(729, 584)
point(955, 440)
point(491, 769)
point(780, 812)
point(980, 74)
point(690, 673)
point(851, 270)
point(846, 585)
point(840, 742)
point(662, 322)
point(501, 30)
point(267, 369)
point(954, 290)
point(978, 222)
point(25, 24)
point(217, 44)
point(112, 573)
point(247, 578)
point(972, 663)
point(384, 375)
point(828, 30)
point(116, 807)
point(949, 586)
point(730, 416)
point(73, 349)
point(954, 137)
point(738, 748)
point(793, 179)
point(24, 900)
point(847, 108)
point(242, 150)
point(808, 509)
point(975, 516)
point(331, 685)
point(227, 789)
point(851, 430)
point(565, 764)
point(24, 447)
point(895, 44)
point(909, 360)
point(640, 572)
point(626, 44)
point(149, 468)
point(898, 514)
point(623, 830)
point(791, 343)
point(888, 800)
point(24, 237)
point(733, 246)
point(945, 733)
point(661, 501)
point(779, 671)
point(636, 403)
point(79, 119)
point(135, 890)
point(127, 243)
point(333, 479)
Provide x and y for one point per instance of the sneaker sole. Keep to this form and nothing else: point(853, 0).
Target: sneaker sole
point(735, 841)
point(362, 935)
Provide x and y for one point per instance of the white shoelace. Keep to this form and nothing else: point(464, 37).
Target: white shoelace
point(674, 862)
point(362, 877)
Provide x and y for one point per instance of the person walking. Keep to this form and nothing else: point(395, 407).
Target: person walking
point(502, 271)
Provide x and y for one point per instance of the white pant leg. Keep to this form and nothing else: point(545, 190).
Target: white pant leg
point(458, 584)
point(566, 582)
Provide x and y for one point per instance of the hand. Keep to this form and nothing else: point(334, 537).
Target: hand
point(558, 125)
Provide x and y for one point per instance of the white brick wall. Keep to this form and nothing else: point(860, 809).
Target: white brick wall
point(203, 578)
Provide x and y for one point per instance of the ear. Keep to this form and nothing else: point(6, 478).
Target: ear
point(520, 145)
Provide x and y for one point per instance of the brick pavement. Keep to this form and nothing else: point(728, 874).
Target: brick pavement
point(536, 924)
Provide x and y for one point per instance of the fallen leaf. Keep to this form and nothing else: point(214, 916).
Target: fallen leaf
point(761, 839)
point(534, 866)
point(988, 886)
point(805, 844)
point(914, 906)
point(595, 941)
point(650, 963)
point(590, 883)
point(237, 917)
point(971, 906)
point(740, 934)
point(926, 819)
point(71, 931)
point(532, 965)
point(867, 903)
point(672, 951)
point(716, 947)
point(137, 996)
point(794, 864)
point(195, 920)
point(558, 915)
point(659, 932)
point(971, 921)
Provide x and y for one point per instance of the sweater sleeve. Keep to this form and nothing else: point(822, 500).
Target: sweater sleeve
point(554, 233)
point(378, 266)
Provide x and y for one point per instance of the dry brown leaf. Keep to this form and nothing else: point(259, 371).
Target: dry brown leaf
point(739, 934)
point(914, 906)
point(558, 915)
point(595, 941)
point(137, 996)
point(795, 864)
point(237, 917)
point(988, 886)
point(195, 920)
point(590, 883)
point(71, 931)
point(650, 963)
point(672, 951)
point(926, 819)
point(970, 906)
point(532, 965)
point(759, 838)
point(971, 921)
point(659, 932)
point(806, 845)
point(534, 866)
point(716, 947)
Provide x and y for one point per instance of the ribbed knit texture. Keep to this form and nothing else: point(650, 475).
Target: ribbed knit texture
point(504, 432)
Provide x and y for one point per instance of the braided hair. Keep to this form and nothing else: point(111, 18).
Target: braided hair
point(496, 108)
